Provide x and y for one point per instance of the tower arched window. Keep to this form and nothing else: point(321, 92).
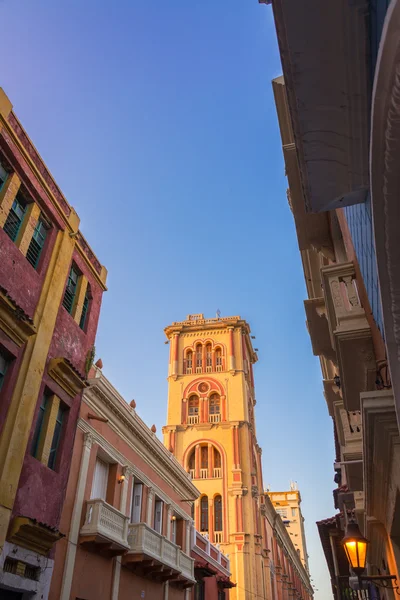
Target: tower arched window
point(214, 408)
point(193, 410)
point(218, 359)
point(204, 514)
point(192, 464)
point(199, 358)
point(218, 518)
point(204, 462)
point(189, 362)
point(217, 470)
point(208, 358)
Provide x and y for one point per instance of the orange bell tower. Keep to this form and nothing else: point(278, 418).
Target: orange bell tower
point(211, 431)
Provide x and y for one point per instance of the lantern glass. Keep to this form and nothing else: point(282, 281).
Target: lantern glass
point(355, 546)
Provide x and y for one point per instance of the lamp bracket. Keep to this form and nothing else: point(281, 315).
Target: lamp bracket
point(384, 581)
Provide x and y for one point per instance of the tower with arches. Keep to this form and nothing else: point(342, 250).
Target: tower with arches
point(211, 431)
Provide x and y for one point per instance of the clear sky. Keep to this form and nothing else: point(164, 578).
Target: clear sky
point(158, 122)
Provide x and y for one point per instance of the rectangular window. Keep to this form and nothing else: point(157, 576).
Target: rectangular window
point(100, 480)
point(3, 175)
point(85, 308)
point(15, 218)
point(173, 529)
point(39, 426)
point(70, 290)
point(137, 495)
point(282, 512)
point(56, 438)
point(158, 510)
point(199, 590)
point(37, 243)
point(293, 512)
point(3, 368)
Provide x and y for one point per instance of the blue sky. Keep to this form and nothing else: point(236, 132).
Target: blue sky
point(158, 122)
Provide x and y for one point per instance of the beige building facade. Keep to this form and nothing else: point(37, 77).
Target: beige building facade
point(288, 506)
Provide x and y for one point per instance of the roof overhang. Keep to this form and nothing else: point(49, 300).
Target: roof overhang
point(324, 49)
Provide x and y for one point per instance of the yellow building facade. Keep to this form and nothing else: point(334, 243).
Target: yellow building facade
point(211, 430)
point(288, 506)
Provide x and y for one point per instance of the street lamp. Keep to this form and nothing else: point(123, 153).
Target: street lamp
point(355, 545)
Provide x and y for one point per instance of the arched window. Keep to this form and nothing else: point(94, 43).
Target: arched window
point(208, 358)
point(204, 513)
point(214, 408)
point(218, 514)
point(204, 457)
point(217, 459)
point(218, 359)
point(217, 471)
point(199, 358)
point(192, 462)
point(193, 410)
point(189, 362)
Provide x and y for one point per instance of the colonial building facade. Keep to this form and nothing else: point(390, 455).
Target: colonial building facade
point(127, 515)
point(51, 286)
point(211, 429)
point(332, 213)
point(288, 506)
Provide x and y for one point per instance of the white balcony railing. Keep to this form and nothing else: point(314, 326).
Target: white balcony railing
point(209, 369)
point(214, 555)
point(192, 473)
point(219, 368)
point(199, 369)
point(193, 419)
point(203, 473)
point(143, 540)
point(214, 418)
point(217, 472)
point(350, 332)
point(188, 370)
point(186, 565)
point(105, 522)
point(352, 427)
point(218, 537)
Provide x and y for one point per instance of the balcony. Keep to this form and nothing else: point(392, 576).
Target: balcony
point(151, 555)
point(332, 395)
point(350, 436)
point(193, 419)
point(318, 328)
point(218, 537)
point(217, 472)
point(216, 418)
point(105, 528)
point(349, 331)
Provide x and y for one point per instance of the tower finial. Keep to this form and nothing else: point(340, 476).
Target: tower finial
point(218, 313)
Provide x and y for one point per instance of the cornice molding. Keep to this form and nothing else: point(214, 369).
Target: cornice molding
point(13, 321)
point(114, 454)
point(103, 398)
point(66, 376)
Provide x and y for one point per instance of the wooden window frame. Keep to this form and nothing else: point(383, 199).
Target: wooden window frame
point(49, 429)
point(33, 259)
point(22, 204)
point(218, 515)
point(193, 407)
point(204, 514)
point(3, 367)
point(70, 305)
point(135, 483)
